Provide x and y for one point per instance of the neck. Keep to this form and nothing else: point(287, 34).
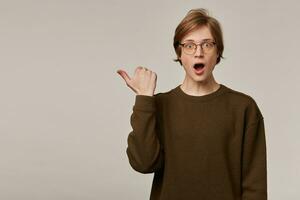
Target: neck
point(199, 88)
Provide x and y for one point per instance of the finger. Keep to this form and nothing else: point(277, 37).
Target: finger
point(124, 75)
point(153, 76)
point(138, 68)
point(145, 69)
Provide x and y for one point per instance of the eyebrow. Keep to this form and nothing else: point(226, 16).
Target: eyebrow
point(206, 39)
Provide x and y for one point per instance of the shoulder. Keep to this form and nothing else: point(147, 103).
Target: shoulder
point(161, 95)
point(239, 95)
point(162, 98)
point(250, 106)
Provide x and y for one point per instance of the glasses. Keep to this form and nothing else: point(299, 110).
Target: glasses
point(190, 47)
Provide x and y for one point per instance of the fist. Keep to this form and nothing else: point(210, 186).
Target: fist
point(143, 81)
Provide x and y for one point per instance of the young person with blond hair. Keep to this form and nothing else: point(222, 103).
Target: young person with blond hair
point(202, 139)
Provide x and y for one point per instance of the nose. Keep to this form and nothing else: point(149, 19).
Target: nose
point(199, 51)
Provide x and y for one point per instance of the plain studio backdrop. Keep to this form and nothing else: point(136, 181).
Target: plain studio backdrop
point(64, 111)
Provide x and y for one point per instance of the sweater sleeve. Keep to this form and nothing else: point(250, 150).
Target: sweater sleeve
point(254, 166)
point(144, 149)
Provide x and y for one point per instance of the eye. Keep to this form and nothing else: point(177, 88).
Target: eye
point(207, 44)
point(189, 46)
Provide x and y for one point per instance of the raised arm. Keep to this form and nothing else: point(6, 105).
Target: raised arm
point(144, 151)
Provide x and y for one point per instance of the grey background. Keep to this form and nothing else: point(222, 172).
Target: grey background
point(64, 111)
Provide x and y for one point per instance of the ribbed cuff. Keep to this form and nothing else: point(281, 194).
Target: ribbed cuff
point(144, 103)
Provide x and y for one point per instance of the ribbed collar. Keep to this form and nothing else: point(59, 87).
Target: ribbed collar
point(179, 92)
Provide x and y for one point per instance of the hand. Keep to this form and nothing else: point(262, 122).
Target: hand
point(143, 81)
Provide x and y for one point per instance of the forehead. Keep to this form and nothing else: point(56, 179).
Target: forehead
point(199, 34)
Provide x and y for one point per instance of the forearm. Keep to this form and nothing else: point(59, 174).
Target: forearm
point(254, 182)
point(144, 149)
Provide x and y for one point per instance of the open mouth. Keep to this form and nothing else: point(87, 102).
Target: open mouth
point(198, 66)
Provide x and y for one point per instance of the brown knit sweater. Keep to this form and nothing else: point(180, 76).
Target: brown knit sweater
point(209, 147)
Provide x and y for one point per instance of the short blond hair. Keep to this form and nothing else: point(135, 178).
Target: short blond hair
point(193, 20)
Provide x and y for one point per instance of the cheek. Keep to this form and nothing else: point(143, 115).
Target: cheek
point(213, 59)
point(185, 60)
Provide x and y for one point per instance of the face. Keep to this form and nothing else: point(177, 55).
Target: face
point(209, 59)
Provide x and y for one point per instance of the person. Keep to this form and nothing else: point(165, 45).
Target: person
point(201, 139)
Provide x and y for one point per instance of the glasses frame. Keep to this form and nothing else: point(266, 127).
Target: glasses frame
point(198, 44)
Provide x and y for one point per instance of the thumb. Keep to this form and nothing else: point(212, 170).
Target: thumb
point(124, 75)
